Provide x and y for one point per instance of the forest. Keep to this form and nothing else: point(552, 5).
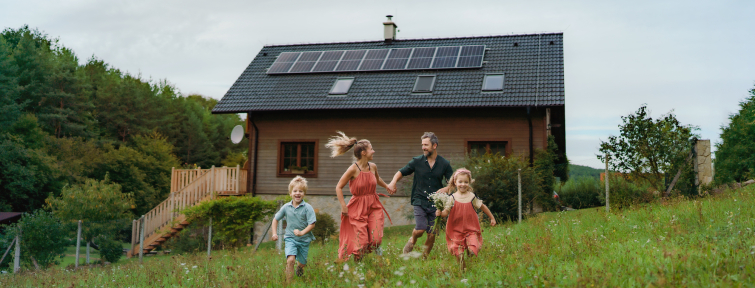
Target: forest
point(64, 121)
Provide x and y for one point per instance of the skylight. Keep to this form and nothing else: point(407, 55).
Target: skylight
point(424, 84)
point(493, 82)
point(341, 87)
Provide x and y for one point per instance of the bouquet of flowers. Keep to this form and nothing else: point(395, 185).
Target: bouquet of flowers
point(441, 201)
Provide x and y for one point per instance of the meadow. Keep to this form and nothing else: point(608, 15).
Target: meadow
point(676, 243)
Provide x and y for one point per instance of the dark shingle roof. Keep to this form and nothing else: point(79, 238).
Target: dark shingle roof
point(534, 75)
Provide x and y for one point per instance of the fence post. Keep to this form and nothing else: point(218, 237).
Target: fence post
point(209, 239)
point(519, 180)
point(17, 253)
point(608, 206)
point(238, 177)
point(141, 239)
point(87, 252)
point(78, 245)
point(279, 243)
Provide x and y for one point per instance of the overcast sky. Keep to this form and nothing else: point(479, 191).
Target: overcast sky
point(695, 57)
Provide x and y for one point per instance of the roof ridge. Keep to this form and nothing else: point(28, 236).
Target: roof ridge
point(414, 39)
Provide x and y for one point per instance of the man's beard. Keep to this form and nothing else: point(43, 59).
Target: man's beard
point(429, 153)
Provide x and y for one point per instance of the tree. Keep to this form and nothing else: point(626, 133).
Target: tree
point(233, 217)
point(735, 155)
point(43, 238)
point(102, 207)
point(647, 148)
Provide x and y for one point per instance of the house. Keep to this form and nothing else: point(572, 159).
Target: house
point(494, 93)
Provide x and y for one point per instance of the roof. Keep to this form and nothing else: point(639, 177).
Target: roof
point(9, 217)
point(532, 64)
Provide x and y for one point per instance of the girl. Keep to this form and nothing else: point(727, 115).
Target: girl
point(463, 233)
point(362, 219)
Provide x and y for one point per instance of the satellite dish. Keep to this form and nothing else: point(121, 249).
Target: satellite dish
point(237, 134)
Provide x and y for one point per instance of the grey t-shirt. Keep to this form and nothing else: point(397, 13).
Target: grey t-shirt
point(297, 218)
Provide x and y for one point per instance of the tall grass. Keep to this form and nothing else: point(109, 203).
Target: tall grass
point(699, 243)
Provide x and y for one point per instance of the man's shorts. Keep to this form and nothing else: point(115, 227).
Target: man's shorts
point(299, 249)
point(424, 218)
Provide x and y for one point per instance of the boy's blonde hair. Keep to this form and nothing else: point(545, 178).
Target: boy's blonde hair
point(451, 188)
point(298, 181)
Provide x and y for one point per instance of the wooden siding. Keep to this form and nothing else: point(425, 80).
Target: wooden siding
point(394, 134)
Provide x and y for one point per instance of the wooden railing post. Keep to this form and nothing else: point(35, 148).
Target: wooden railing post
point(172, 179)
point(238, 177)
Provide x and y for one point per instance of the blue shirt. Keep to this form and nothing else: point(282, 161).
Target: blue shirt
point(297, 218)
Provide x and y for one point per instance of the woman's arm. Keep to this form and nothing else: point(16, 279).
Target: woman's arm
point(380, 181)
point(445, 212)
point(487, 212)
point(342, 183)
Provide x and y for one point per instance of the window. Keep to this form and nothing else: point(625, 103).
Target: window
point(341, 87)
point(493, 82)
point(297, 157)
point(424, 83)
point(484, 147)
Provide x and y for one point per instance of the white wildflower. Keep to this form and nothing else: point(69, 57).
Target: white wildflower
point(345, 267)
point(399, 283)
point(464, 281)
point(412, 281)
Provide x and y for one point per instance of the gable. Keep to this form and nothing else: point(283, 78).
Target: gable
point(532, 66)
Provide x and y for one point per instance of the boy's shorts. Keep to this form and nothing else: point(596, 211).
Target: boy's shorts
point(299, 249)
point(424, 218)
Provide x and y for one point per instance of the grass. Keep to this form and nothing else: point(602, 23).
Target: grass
point(94, 255)
point(700, 243)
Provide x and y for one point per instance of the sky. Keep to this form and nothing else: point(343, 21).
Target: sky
point(695, 58)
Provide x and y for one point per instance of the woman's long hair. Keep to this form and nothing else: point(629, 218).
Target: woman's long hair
point(341, 144)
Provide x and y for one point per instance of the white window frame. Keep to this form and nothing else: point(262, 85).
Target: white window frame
point(331, 92)
point(485, 81)
point(432, 85)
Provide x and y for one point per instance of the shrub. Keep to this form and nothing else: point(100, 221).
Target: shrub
point(325, 227)
point(192, 239)
point(110, 250)
point(232, 217)
point(43, 238)
point(581, 192)
point(496, 182)
point(624, 193)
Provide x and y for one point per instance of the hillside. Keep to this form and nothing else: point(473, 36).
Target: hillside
point(696, 243)
point(577, 171)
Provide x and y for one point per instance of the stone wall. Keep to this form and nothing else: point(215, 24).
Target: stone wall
point(399, 208)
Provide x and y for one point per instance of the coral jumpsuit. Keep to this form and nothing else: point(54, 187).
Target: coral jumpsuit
point(362, 228)
point(463, 229)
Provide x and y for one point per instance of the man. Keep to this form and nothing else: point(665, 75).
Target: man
point(429, 170)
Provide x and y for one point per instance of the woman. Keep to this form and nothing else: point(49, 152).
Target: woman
point(362, 219)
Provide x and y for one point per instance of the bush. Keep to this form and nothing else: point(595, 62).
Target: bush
point(325, 227)
point(233, 217)
point(110, 250)
point(624, 193)
point(192, 239)
point(581, 192)
point(43, 238)
point(496, 183)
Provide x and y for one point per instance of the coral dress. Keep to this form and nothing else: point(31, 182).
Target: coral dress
point(463, 229)
point(362, 229)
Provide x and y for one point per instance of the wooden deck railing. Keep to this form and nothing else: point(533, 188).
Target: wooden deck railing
point(192, 186)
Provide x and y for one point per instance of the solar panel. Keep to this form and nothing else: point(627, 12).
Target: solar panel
point(397, 59)
point(284, 62)
point(471, 56)
point(328, 61)
point(351, 60)
point(306, 61)
point(374, 59)
point(421, 58)
point(446, 57)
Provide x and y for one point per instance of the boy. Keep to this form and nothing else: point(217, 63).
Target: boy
point(301, 219)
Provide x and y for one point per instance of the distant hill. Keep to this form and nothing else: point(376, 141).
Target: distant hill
point(577, 171)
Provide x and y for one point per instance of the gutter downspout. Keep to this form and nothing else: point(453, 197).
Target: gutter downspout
point(251, 183)
point(529, 121)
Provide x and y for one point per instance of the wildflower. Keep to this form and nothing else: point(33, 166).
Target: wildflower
point(412, 281)
point(345, 267)
point(194, 267)
point(399, 283)
point(464, 281)
point(182, 264)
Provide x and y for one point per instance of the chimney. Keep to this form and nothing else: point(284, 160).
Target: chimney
point(389, 30)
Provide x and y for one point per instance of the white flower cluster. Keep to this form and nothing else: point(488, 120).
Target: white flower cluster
point(441, 200)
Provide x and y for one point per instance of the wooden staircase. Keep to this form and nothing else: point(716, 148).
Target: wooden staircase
point(189, 187)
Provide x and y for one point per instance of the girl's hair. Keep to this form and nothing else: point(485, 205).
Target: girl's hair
point(451, 188)
point(298, 181)
point(341, 144)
